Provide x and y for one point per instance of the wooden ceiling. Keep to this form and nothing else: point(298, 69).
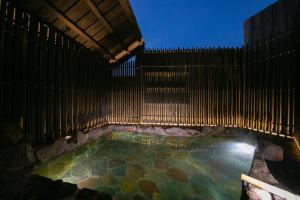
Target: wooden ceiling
point(106, 26)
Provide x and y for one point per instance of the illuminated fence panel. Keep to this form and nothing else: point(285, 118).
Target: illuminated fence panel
point(251, 87)
point(125, 94)
point(202, 86)
point(269, 88)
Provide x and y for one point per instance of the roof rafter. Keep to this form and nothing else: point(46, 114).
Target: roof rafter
point(104, 21)
point(95, 10)
point(127, 10)
point(74, 27)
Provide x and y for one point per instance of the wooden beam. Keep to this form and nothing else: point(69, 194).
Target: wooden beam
point(103, 20)
point(106, 24)
point(74, 27)
point(129, 14)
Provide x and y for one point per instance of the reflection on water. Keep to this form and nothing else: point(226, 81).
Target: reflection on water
point(138, 166)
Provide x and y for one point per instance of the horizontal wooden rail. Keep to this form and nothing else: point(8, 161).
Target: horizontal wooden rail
point(270, 188)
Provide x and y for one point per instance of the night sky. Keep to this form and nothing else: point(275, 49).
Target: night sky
point(194, 23)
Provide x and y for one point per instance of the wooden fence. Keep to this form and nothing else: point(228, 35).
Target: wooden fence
point(250, 87)
point(55, 87)
point(49, 82)
point(269, 85)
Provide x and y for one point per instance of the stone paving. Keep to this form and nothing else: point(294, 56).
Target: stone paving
point(138, 166)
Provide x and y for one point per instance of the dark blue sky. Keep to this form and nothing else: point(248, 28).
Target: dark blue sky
point(194, 23)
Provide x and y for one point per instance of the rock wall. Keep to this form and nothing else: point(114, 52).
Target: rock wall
point(17, 160)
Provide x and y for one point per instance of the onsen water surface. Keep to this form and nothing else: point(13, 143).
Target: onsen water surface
point(140, 166)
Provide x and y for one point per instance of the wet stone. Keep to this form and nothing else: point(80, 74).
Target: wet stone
point(99, 167)
point(136, 171)
point(119, 170)
point(108, 178)
point(164, 155)
point(81, 150)
point(177, 175)
point(161, 164)
point(91, 151)
point(157, 176)
point(131, 158)
point(166, 194)
point(115, 162)
point(128, 186)
point(81, 171)
point(106, 189)
point(149, 188)
point(59, 169)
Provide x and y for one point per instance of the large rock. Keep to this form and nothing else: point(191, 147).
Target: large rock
point(193, 132)
point(59, 147)
point(15, 157)
point(255, 193)
point(261, 172)
point(10, 134)
point(97, 133)
point(82, 138)
point(220, 130)
point(159, 131)
point(145, 129)
point(210, 130)
point(124, 128)
point(272, 152)
point(176, 132)
point(207, 130)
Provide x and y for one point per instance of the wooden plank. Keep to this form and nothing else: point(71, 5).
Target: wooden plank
point(74, 27)
point(96, 12)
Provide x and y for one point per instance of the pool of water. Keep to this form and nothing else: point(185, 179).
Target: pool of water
point(140, 166)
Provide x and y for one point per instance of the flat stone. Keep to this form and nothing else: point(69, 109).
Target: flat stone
point(128, 186)
point(157, 176)
point(149, 188)
point(115, 162)
point(169, 191)
point(131, 158)
point(119, 170)
point(99, 167)
point(109, 179)
point(59, 169)
point(161, 164)
point(177, 175)
point(136, 171)
point(164, 155)
point(81, 171)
